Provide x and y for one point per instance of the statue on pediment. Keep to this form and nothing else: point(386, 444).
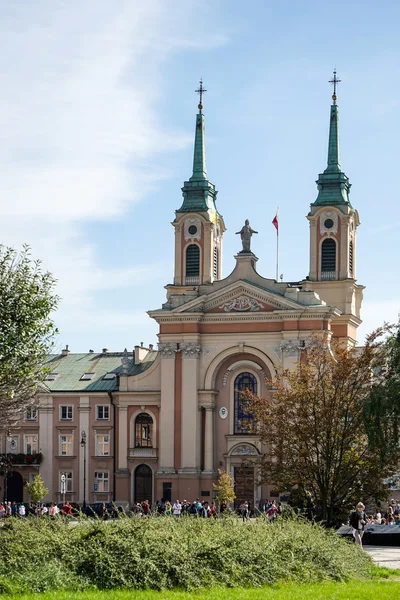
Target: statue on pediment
point(245, 235)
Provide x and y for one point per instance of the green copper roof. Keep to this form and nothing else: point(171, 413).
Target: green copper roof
point(333, 184)
point(70, 368)
point(199, 194)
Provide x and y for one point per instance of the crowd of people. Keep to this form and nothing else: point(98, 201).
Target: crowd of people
point(20, 509)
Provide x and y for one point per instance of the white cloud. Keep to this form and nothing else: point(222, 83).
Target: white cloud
point(79, 133)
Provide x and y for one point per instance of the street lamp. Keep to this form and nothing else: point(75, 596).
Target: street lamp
point(83, 444)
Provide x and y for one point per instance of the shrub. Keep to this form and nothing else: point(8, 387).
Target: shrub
point(164, 553)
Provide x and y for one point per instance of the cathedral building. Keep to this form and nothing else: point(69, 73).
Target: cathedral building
point(156, 423)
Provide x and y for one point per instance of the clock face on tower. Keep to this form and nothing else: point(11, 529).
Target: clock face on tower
point(328, 223)
point(192, 229)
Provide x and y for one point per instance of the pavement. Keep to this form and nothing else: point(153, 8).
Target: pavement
point(385, 556)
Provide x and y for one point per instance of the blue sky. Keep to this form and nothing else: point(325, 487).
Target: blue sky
point(97, 115)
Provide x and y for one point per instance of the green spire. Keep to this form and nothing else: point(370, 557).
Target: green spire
point(333, 185)
point(199, 193)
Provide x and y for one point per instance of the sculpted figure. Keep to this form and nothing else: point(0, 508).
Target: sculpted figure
point(245, 234)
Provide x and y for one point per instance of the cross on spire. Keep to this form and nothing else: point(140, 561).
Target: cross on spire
point(335, 81)
point(200, 91)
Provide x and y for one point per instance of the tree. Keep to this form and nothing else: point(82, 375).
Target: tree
point(313, 430)
point(382, 406)
point(224, 488)
point(37, 489)
point(27, 300)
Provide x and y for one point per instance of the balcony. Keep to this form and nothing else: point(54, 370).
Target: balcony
point(21, 459)
point(192, 280)
point(142, 452)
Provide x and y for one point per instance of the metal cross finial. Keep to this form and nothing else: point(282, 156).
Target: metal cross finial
point(335, 81)
point(200, 91)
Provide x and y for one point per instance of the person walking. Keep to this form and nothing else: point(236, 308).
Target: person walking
point(358, 519)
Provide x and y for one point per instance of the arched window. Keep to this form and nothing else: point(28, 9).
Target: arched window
point(351, 258)
point(328, 259)
point(192, 264)
point(215, 263)
point(143, 431)
point(244, 419)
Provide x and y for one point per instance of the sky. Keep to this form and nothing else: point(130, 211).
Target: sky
point(97, 115)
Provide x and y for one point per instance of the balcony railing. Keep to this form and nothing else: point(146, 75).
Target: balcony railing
point(142, 452)
point(328, 275)
point(21, 459)
point(192, 280)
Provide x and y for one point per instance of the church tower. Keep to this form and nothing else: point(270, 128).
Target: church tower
point(198, 225)
point(333, 231)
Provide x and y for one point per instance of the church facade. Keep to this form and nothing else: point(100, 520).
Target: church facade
point(159, 423)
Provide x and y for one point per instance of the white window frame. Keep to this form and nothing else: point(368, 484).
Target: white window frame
point(102, 478)
point(103, 407)
point(69, 410)
point(33, 444)
point(103, 444)
point(69, 475)
point(69, 444)
point(31, 413)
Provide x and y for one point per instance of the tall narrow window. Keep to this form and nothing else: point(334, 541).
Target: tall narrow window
point(351, 258)
point(215, 263)
point(328, 259)
point(66, 445)
point(31, 444)
point(243, 418)
point(192, 264)
point(102, 445)
point(143, 431)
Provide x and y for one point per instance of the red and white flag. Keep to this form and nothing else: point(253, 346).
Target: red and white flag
point(275, 222)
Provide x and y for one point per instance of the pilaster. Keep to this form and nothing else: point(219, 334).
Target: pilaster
point(46, 412)
point(190, 425)
point(167, 352)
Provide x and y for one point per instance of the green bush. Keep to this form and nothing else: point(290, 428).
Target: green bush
point(164, 553)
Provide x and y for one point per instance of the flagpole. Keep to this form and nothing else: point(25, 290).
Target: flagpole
point(277, 246)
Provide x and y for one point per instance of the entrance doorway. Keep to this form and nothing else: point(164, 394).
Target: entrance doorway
point(244, 485)
point(14, 487)
point(143, 484)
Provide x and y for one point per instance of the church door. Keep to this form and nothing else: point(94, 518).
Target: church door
point(244, 485)
point(15, 487)
point(143, 484)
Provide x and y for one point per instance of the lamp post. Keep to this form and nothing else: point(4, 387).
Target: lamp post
point(83, 444)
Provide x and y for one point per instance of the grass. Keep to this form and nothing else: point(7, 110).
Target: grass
point(354, 590)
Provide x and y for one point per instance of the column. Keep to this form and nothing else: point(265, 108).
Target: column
point(190, 426)
point(84, 408)
point(209, 440)
point(46, 436)
point(167, 430)
point(122, 437)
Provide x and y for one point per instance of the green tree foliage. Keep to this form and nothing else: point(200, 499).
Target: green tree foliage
point(224, 488)
point(382, 406)
point(27, 300)
point(313, 431)
point(37, 490)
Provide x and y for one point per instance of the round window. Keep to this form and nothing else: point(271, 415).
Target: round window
point(328, 224)
point(192, 229)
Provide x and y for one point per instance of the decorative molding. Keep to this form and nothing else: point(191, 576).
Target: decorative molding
point(329, 214)
point(244, 450)
point(290, 347)
point(190, 349)
point(242, 304)
point(188, 223)
point(168, 349)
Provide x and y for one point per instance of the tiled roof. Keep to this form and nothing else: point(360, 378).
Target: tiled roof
point(71, 367)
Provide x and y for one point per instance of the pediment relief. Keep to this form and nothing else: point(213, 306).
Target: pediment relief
point(239, 299)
